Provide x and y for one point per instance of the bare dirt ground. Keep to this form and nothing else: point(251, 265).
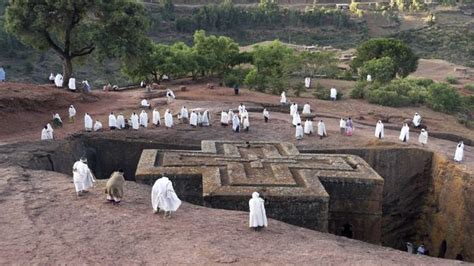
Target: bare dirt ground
point(45, 223)
point(437, 69)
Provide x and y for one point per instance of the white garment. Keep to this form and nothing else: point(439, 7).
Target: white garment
point(168, 119)
point(257, 215)
point(135, 121)
point(307, 82)
point(235, 122)
point(45, 134)
point(243, 115)
point(145, 103)
point(293, 109)
point(224, 118)
point(97, 126)
point(163, 196)
point(156, 117)
point(241, 109)
point(299, 132)
point(205, 118)
point(170, 95)
point(296, 119)
point(193, 120)
point(51, 77)
point(266, 113)
point(369, 78)
point(405, 132)
point(144, 119)
point(379, 130)
point(459, 154)
point(120, 122)
point(58, 80)
point(56, 116)
point(306, 109)
point(82, 176)
point(72, 111)
point(230, 116)
point(333, 93)
point(199, 118)
point(416, 120)
point(342, 123)
point(322, 129)
point(308, 127)
point(246, 123)
point(184, 113)
point(88, 122)
point(72, 84)
point(283, 98)
point(423, 138)
point(112, 121)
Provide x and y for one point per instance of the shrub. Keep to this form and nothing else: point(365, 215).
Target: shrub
point(381, 69)
point(387, 98)
point(469, 87)
point(443, 98)
point(359, 90)
point(299, 88)
point(452, 80)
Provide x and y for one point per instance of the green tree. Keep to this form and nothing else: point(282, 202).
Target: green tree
point(382, 69)
point(403, 57)
point(153, 64)
point(443, 98)
point(75, 29)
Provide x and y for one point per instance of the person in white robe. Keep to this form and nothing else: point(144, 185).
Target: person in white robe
point(224, 119)
point(170, 96)
point(306, 109)
point(266, 115)
point(283, 98)
point(199, 119)
point(243, 115)
point(307, 82)
point(241, 108)
point(416, 120)
point(145, 103)
point(230, 115)
point(193, 119)
point(58, 80)
point(349, 127)
point(135, 121)
point(156, 118)
point(86, 87)
point(205, 119)
point(293, 108)
point(308, 127)
point(144, 119)
point(88, 122)
point(333, 94)
point(235, 123)
point(404, 133)
point(97, 125)
point(57, 121)
point(163, 197)
point(184, 115)
point(342, 126)
point(369, 78)
point(379, 130)
point(120, 121)
point(82, 176)
point(168, 119)
point(299, 132)
point(296, 119)
point(72, 84)
point(322, 129)
point(72, 113)
point(459, 154)
point(423, 138)
point(45, 134)
point(257, 215)
point(246, 123)
point(51, 78)
point(50, 130)
point(112, 121)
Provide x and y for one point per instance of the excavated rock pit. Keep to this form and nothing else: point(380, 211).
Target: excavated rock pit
point(425, 199)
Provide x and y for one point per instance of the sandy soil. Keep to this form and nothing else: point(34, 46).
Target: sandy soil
point(48, 224)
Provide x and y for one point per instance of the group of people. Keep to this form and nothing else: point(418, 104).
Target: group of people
point(163, 196)
point(241, 120)
point(58, 81)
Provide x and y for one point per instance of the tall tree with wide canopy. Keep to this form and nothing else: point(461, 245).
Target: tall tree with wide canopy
point(74, 29)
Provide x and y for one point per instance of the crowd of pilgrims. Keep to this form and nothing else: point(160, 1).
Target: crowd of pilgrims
point(163, 196)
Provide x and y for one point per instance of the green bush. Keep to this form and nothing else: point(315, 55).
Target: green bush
point(443, 98)
point(452, 80)
point(387, 98)
point(469, 87)
point(381, 69)
point(299, 88)
point(234, 77)
point(359, 90)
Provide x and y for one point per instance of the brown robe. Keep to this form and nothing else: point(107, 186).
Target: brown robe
point(114, 187)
